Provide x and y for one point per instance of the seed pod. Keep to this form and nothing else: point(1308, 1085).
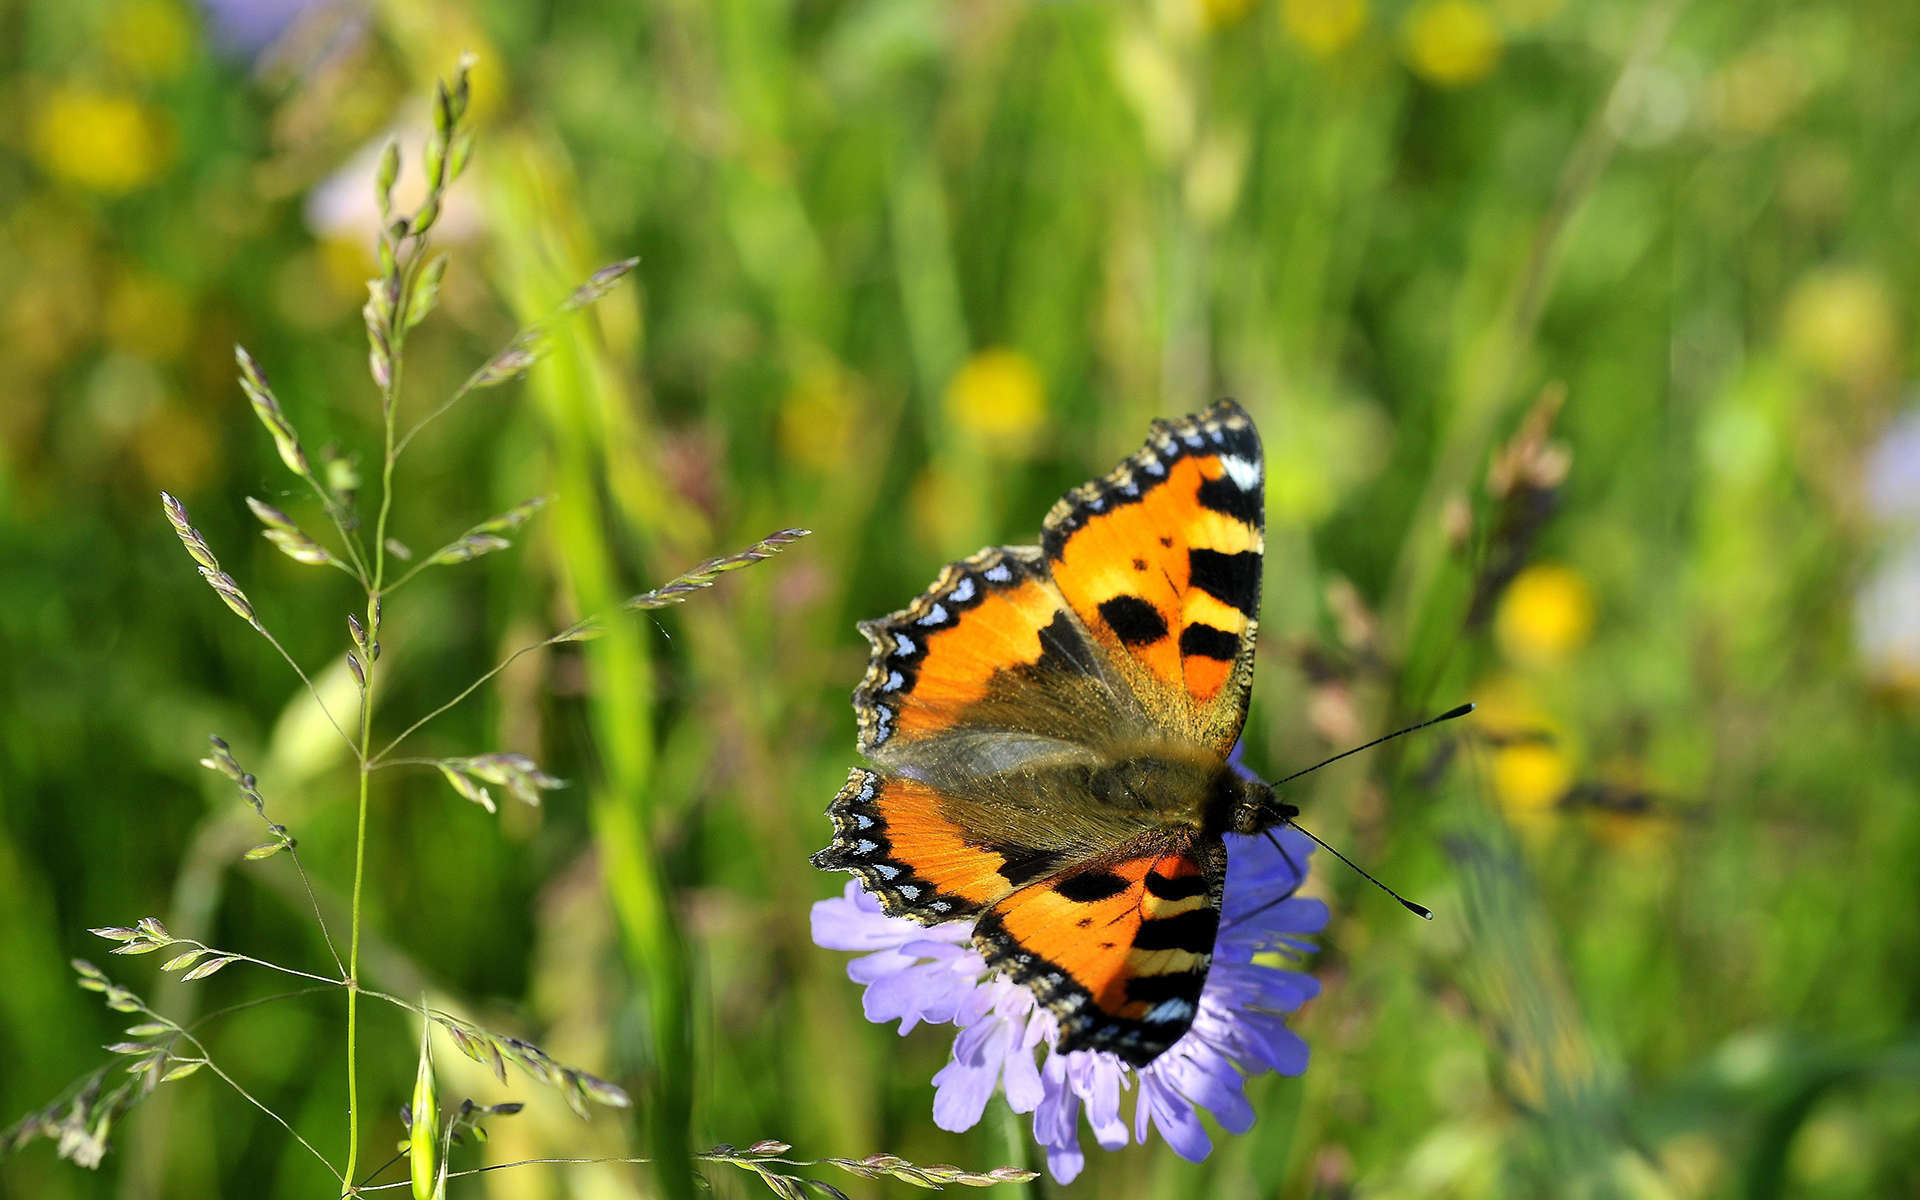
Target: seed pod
point(423, 1138)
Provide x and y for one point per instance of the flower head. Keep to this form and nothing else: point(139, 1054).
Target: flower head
point(999, 397)
point(1545, 615)
point(1324, 27)
point(915, 974)
point(1451, 43)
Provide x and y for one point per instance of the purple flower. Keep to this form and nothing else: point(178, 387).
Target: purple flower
point(1892, 471)
point(913, 974)
point(249, 28)
point(1887, 605)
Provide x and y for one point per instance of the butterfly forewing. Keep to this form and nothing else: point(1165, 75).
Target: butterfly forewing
point(1161, 561)
point(992, 649)
point(909, 854)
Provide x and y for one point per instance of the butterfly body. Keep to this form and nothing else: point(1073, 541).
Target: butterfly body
point(1049, 729)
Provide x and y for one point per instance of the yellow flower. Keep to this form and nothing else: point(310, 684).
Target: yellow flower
point(1323, 27)
point(148, 316)
point(176, 445)
point(1751, 95)
point(1451, 43)
point(1529, 777)
point(1216, 13)
point(1545, 614)
point(149, 39)
point(998, 396)
point(1530, 766)
point(817, 419)
point(104, 143)
point(1841, 322)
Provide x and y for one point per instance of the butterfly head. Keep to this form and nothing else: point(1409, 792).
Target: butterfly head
point(1255, 809)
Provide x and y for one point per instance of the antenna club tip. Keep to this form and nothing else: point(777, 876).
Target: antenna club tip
point(1418, 910)
point(1459, 711)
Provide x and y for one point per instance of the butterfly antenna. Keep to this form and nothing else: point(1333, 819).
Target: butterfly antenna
point(1418, 910)
point(1449, 715)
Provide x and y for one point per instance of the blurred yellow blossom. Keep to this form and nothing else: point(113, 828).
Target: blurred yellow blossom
point(1451, 43)
point(1323, 27)
point(1694, 1163)
point(176, 445)
point(998, 396)
point(346, 262)
point(100, 141)
point(1841, 322)
point(1545, 614)
point(149, 39)
point(1161, 89)
point(1215, 172)
point(1529, 778)
point(1530, 766)
point(816, 423)
point(310, 287)
point(147, 315)
point(1751, 95)
point(1215, 13)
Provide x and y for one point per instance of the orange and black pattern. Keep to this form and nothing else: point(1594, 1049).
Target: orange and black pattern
point(1118, 951)
point(1048, 727)
point(1161, 561)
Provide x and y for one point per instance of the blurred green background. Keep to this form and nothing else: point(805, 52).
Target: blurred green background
point(907, 272)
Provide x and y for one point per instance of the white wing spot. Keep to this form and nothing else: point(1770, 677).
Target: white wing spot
point(894, 680)
point(886, 870)
point(865, 846)
point(1244, 472)
point(998, 573)
point(910, 890)
point(962, 591)
point(902, 644)
point(1170, 1010)
point(862, 821)
point(937, 615)
point(1156, 467)
point(1192, 438)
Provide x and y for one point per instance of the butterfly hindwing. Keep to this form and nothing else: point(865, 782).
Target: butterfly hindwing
point(1161, 562)
point(1117, 949)
point(918, 863)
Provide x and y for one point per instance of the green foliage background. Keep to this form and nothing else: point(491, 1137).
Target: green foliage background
point(1673, 858)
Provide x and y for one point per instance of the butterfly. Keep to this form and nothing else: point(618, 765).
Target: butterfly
point(1049, 727)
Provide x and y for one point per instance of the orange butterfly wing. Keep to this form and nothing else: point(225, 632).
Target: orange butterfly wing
point(1161, 562)
point(979, 704)
point(917, 862)
point(1117, 949)
point(991, 648)
point(996, 703)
